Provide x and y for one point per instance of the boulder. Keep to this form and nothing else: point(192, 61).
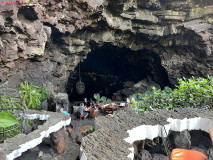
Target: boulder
point(144, 155)
point(182, 139)
point(28, 129)
point(62, 101)
point(59, 140)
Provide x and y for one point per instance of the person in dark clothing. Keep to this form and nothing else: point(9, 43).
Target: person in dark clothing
point(82, 110)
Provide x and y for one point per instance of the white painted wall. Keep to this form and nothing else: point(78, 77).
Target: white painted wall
point(150, 132)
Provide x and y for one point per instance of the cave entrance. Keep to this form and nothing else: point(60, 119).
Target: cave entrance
point(109, 70)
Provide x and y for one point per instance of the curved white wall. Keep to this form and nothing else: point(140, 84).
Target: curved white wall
point(34, 142)
point(150, 132)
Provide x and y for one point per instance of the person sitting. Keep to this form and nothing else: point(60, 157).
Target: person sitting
point(98, 104)
point(64, 112)
point(95, 109)
point(82, 110)
point(93, 105)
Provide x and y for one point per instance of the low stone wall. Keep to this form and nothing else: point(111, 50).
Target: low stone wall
point(116, 133)
point(15, 146)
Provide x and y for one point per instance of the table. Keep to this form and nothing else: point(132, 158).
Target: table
point(114, 107)
point(84, 128)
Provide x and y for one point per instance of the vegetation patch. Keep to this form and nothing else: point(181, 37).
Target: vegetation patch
point(193, 92)
point(32, 95)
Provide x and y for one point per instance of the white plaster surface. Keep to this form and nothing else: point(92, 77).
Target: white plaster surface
point(150, 132)
point(34, 142)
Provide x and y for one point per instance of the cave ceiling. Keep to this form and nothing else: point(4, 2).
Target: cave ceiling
point(43, 44)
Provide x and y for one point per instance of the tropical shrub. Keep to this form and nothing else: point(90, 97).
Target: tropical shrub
point(97, 97)
point(7, 120)
point(91, 129)
point(9, 126)
point(193, 92)
point(102, 99)
point(7, 102)
point(44, 93)
point(32, 95)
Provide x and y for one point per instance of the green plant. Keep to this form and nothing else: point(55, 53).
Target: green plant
point(7, 102)
point(7, 120)
point(9, 126)
point(108, 100)
point(44, 93)
point(193, 92)
point(91, 129)
point(97, 96)
point(30, 95)
point(102, 99)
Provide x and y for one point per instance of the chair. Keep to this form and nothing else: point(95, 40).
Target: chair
point(108, 111)
point(81, 116)
point(95, 113)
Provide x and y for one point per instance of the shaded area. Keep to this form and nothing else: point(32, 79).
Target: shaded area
point(106, 70)
point(28, 13)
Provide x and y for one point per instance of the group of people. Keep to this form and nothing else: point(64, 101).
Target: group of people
point(90, 106)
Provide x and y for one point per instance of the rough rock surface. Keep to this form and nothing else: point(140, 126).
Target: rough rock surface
point(62, 101)
point(59, 140)
point(108, 141)
point(182, 140)
point(43, 44)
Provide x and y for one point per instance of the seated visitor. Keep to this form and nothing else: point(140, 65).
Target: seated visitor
point(93, 105)
point(95, 109)
point(82, 110)
point(98, 104)
point(64, 112)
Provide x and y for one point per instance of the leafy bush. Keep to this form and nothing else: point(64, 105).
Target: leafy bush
point(193, 92)
point(91, 129)
point(101, 99)
point(97, 97)
point(7, 102)
point(32, 95)
point(44, 93)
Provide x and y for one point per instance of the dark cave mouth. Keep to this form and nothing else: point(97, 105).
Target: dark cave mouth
point(114, 72)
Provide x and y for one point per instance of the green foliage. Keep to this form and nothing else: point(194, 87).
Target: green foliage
point(32, 95)
point(44, 93)
point(7, 120)
point(108, 100)
point(97, 96)
point(193, 92)
point(102, 99)
point(91, 129)
point(7, 102)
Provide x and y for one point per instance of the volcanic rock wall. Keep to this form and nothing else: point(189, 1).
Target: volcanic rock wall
point(43, 44)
